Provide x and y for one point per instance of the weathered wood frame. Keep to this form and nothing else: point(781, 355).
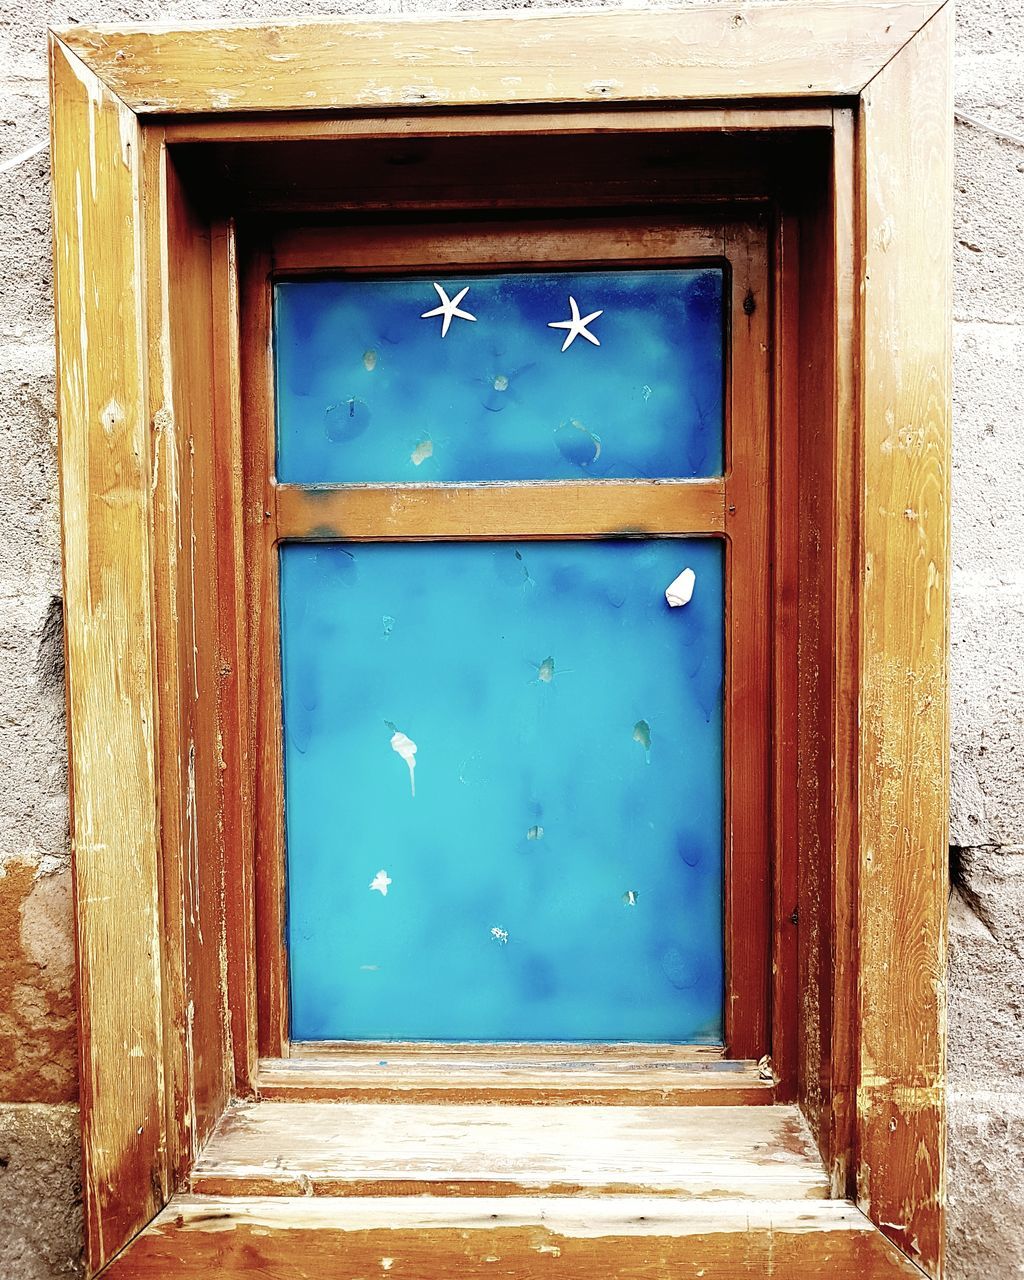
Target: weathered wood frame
point(158, 745)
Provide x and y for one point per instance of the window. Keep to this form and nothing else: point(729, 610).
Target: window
point(809, 162)
point(512, 794)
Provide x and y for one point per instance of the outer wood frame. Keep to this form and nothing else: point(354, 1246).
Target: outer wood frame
point(160, 1051)
point(724, 53)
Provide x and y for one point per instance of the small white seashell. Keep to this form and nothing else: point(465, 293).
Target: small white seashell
point(680, 590)
point(380, 882)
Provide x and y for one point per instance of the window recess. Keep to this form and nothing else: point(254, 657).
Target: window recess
point(560, 779)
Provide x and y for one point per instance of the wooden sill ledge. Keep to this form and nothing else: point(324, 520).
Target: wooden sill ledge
point(397, 1149)
point(474, 1075)
point(416, 1191)
point(424, 1238)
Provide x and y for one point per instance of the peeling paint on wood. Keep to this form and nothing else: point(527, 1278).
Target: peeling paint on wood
point(651, 1239)
point(105, 497)
point(904, 631)
point(190, 678)
point(360, 1149)
point(677, 1077)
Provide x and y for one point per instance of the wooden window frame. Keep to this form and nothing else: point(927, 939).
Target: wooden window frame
point(733, 507)
point(153, 508)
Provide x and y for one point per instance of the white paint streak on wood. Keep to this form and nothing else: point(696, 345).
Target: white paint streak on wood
point(192, 836)
point(106, 514)
point(657, 1076)
point(759, 1152)
point(572, 1218)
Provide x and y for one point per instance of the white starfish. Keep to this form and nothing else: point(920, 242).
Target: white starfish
point(577, 327)
point(380, 882)
point(449, 308)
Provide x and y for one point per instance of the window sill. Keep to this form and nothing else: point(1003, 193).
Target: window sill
point(457, 1149)
point(289, 1189)
point(562, 1074)
point(284, 1238)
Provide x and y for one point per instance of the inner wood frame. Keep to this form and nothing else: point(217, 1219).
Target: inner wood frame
point(734, 507)
point(159, 837)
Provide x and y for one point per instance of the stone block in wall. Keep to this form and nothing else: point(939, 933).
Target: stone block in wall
point(38, 1035)
point(989, 26)
point(40, 1192)
point(986, 1189)
point(988, 250)
point(30, 542)
point(33, 746)
point(26, 299)
point(988, 452)
point(989, 86)
point(986, 970)
point(987, 713)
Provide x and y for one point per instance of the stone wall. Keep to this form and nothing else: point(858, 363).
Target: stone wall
point(39, 1211)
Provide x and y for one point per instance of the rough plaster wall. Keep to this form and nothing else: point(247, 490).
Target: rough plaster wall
point(986, 945)
point(39, 1214)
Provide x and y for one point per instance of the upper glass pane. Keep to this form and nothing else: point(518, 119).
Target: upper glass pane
point(558, 376)
point(503, 790)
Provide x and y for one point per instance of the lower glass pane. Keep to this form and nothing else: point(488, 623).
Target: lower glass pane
point(503, 776)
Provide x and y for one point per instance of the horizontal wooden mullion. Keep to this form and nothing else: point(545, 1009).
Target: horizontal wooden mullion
point(543, 510)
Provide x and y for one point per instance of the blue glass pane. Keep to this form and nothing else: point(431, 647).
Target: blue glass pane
point(503, 770)
point(369, 390)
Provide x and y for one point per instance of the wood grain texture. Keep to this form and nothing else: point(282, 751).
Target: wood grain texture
point(903, 830)
point(362, 1149)
point(233, 659)
point(585, 240)
point(734, 52)
point(466, 1074)
point(104, 453)
point(321, 127)
point(574, 509)
point(513, 1238)
point(190, 726)
point(747, 693)
point(826, 668)
point(262, 629)
point(171, 560)
point(786, 631)
point(841, 660)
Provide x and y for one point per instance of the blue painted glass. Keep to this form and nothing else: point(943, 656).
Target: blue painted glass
point(368, 390)
point(504, 803)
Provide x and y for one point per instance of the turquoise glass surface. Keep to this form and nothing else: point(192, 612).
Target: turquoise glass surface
point(503, 775)
point(369, 391)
